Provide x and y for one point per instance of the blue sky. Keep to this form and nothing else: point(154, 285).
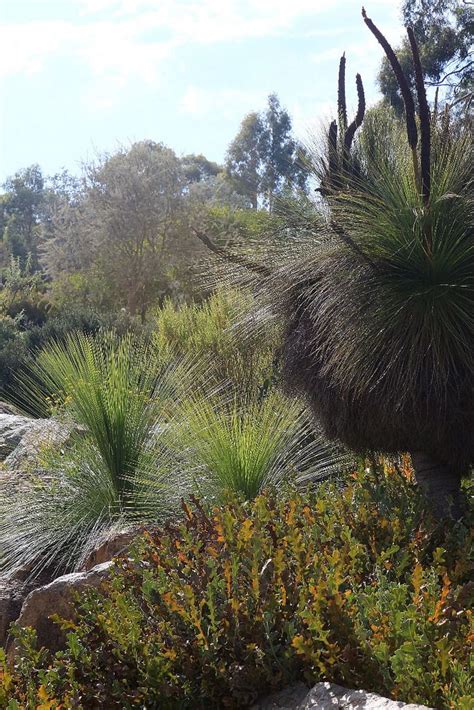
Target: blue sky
point(79, 77)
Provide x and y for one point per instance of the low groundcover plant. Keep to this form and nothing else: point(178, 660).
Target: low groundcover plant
point(360, 588)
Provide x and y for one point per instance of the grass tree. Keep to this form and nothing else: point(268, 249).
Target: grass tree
point(242, 445)
point(379, 309)
point(121, 393)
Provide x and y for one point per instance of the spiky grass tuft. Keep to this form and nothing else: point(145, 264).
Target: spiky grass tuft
point(122, 393)
point(244, 446)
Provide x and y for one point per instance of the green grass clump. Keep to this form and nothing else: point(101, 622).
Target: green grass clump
point(355, 586)
point(117, 394)
point(242, 447)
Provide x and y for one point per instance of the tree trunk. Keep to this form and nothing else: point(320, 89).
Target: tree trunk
point(440, 484)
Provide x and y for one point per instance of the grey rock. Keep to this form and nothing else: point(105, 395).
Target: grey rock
point(288, 699)
point(57, 598)
point(38, 435)
point(7, 408)
point(329, 696)
point(13, 428)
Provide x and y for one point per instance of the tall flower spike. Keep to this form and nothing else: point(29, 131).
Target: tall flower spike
point(401, 79)
point(333, 162)
point(341, 94)
point(357, 122)
point(425, 118)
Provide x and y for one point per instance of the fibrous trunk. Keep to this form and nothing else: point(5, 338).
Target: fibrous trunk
point(440, 483)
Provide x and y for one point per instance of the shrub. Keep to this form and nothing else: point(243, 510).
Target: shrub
point(353, 586)
point(13, 350)
point(21, 338)
point(210, 331)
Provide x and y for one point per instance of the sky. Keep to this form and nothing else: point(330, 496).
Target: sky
point(81, 77)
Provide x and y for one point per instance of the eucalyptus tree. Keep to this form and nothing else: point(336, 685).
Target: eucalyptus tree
point(21, 212)
point(444, 30)
point(264, 158)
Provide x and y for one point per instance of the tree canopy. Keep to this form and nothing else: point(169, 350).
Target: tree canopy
point(444, 32)
point(264, 159)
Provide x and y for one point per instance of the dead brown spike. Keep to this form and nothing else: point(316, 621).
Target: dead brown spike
point(341, 93)
point(357, 122)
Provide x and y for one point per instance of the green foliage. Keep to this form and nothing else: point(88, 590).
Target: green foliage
point(353, 586)
point(13, 350)
point(243, 445)
point(21, 337)
point(264, 159)
point(21, 211)
point(22, 294)
point(209, 331)
point(444, 31)
point(114, 392)
point(241, 224)
point(23, 305)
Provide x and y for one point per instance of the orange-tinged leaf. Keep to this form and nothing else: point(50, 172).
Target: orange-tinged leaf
point(417, 579)
point(246, 531)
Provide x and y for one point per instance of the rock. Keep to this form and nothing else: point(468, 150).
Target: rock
point(57, 598)
point(14, 588)
point(111, 545)
point(329, 696)
point(37, 435)
point(11, 600)
point(288, 699)
point(13, 428)
point(7, 408)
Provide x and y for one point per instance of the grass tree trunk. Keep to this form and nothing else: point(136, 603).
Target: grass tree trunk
point(440, 483)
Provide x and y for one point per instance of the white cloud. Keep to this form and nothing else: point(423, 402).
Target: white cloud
point(226, 103)
point(124, 41)
point(24, 47)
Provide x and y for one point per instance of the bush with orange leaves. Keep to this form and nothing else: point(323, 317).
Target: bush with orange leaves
point(353, 585)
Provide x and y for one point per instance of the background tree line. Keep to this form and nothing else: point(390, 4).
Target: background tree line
point(119, 236)
point(118, 239)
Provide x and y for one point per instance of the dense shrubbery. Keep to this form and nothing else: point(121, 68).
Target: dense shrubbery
point(211, 330)
point(147, 428)
point(20, 339)
point(355, 586)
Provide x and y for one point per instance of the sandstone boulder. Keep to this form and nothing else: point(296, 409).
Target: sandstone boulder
point(14, 588)
point(57, 598)
point(329, 696)
point(110, 545)
point(13, 428)
point(11, 600)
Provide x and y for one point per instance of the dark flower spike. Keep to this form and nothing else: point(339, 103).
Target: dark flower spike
point(425, 119)
point(401, 79)
point(357, 122)
point(341, 93)
point(332, 149)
